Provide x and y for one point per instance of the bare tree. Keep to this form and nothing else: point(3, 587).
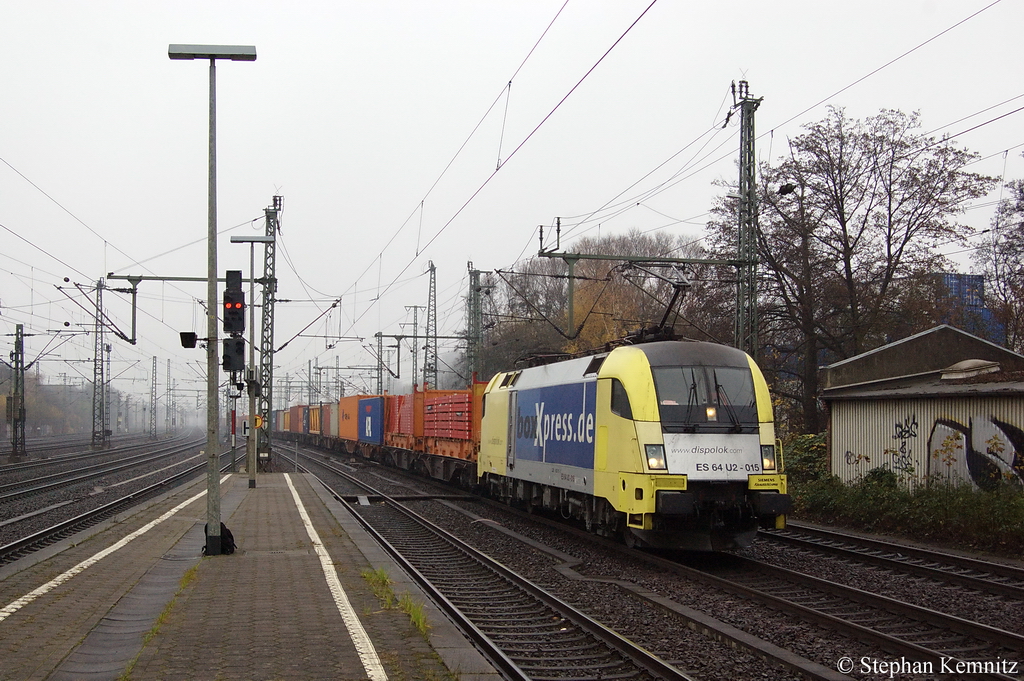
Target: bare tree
point(528, 307)
point(1002, 262)
point(849, 224)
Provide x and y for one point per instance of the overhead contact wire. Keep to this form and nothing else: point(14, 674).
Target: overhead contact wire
point(516, 150)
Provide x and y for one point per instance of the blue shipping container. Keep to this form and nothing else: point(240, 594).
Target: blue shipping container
point(371, 420)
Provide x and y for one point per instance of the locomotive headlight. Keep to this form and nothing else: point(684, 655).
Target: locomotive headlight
point(768, 457)
point(656, 457)
point(712, 413)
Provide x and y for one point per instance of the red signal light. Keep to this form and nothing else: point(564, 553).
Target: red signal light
point(234, 312)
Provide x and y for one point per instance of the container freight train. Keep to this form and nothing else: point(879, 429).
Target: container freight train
point(667, 444)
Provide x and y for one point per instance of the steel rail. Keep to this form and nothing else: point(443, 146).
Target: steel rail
point(16, 490)
point(997, 578)
point(21, 547)
point(65, 457)
point(641, 658)
point(984, 633)
point(695, 620)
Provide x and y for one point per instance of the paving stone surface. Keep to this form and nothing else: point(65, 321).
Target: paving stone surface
point(265, 612)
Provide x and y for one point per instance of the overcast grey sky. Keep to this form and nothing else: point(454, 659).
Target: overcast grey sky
point(353, 111)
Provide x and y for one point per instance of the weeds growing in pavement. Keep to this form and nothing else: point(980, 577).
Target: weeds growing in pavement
point(190, 576)
point(380, 583)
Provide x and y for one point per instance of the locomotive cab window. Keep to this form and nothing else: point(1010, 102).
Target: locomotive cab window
point(510, 379)
point(620, 400)
point(705, 398)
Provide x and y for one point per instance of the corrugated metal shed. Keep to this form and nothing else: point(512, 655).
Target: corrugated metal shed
point(962, 421)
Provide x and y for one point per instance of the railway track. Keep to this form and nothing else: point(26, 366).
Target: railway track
point(44, 447)
point(527, 632)
point(67, 527)
point(41, 485)
point(985, 576)
point(683, 618)
point(11, 472)
point(901, 628)
point(884, 624)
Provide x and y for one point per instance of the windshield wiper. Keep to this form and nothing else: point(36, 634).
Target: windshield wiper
point(720, 392)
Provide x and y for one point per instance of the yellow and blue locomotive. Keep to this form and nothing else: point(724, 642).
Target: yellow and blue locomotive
point(669, 444)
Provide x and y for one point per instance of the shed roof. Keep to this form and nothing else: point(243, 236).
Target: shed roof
point(931, 364)
point(918, 356)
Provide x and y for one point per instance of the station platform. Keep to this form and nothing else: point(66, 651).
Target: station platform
point(135, 599)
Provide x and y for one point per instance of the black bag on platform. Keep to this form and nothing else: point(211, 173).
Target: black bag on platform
point(227, 540)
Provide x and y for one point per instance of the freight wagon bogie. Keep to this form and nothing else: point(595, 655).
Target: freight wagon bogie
point(451, 470)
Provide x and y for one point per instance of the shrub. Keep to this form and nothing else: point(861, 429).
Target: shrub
point(960, 516)
point(806, 458)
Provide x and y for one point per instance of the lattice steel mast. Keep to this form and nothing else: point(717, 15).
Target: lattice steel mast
point(17, 403)
point(266, 384)
point(152, 403)
point(415, 339)
point(746, 272)
point(430, 357)
point(99, 435)
point(474, 323)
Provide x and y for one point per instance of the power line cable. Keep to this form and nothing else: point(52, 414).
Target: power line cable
point(43, 250)
point(826, 99)
point(886, 65)
point(491, 176)
point(420, 205)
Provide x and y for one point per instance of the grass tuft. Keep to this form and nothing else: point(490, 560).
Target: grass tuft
point(380, 583)
point(190, 576)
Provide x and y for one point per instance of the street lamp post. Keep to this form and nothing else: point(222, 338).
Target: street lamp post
point(251, 382)
point(213, 53)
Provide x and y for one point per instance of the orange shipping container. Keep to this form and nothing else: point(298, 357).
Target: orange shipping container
point(348, 417)
point(449, 415)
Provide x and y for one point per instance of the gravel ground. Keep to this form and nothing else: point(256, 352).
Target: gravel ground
point(657, 630)
point(996, 611)
point(664, 633)
point(68, 502)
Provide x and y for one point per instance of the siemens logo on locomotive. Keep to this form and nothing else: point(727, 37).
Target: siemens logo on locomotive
point(556, 424)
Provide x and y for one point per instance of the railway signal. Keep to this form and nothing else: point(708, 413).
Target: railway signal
point(234, 354)
point(234, 304)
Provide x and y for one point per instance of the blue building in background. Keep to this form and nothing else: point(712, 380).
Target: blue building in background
point(966, 293)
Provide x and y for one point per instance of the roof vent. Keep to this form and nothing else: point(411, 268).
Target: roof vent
point(969, 368)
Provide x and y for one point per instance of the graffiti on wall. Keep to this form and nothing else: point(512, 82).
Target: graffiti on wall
point(985, 452)
point(899, 457)
point(988, 450)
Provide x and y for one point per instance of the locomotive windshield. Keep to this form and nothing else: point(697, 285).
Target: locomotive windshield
point(705, 398)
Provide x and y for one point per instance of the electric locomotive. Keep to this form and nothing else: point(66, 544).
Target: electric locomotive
point(668, 444)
